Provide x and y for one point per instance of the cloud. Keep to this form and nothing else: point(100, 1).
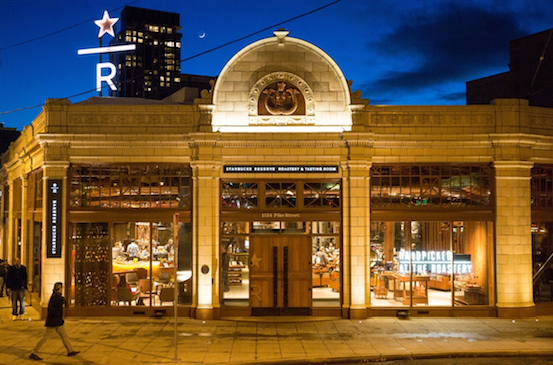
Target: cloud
point(454, 97)
point(452, 42)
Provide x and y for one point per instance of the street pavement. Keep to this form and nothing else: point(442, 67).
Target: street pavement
point(270, 340)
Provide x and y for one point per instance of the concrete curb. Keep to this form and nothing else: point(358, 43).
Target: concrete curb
point(395, 357)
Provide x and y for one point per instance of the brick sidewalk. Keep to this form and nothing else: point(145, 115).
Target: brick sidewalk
point(132, 340)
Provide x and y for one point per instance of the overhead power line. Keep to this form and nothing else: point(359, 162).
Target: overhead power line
point(59, 31)
point(184, 60)
point(262, 30)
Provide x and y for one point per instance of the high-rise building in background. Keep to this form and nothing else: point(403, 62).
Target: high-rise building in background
point(153, 70)
point(7, 136)
point(529, 77)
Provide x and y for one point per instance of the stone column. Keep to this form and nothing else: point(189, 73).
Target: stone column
point(26, 245)
point(3, 228)
point(513, 239)
point(205, 233)
point(11, 236)
point(356, 244)
point(54, 269)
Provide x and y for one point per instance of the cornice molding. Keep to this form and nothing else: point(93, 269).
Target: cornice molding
point(513, 164)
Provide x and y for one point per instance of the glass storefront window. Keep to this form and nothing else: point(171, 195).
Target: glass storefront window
point(239, 195)
point(430, 263)
point(235, 257)
point(431, 186)
point(277, 195)
point(542, 257)
point(142, 261)
point(143, 255)
point(321, 195)
point(280, 195)
point(326, 269)
point(130, 186)
point(235, 278)
point(89, 264)
point(542, 186)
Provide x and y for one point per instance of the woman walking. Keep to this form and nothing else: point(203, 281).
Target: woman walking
point(54, 322)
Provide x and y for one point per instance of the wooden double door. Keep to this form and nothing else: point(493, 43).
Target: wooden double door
point(280, 275)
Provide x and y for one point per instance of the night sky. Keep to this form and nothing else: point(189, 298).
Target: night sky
point(396, 52)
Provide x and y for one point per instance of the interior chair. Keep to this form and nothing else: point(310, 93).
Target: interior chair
point(164, 277)
point(166, 295)
point(132, 278)
point(145, 290)
point(126, 295)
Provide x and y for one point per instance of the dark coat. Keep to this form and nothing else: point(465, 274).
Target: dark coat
point(16, 278)
point(3, 270)
point(54, 318)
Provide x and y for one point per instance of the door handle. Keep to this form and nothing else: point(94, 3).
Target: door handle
point(275, 276)
point(285, 262)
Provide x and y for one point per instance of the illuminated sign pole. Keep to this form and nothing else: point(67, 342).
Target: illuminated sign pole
point(106, 26)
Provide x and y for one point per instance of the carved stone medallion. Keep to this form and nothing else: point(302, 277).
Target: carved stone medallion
point(281, 98)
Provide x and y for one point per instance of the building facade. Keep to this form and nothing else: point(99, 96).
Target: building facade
point(282, 192)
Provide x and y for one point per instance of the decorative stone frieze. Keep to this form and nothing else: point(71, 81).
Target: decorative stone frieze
point(540, 121)
point(132, 119)
point(441, 119)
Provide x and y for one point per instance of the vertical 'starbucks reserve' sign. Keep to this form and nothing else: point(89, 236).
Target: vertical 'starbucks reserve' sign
point(53, 220)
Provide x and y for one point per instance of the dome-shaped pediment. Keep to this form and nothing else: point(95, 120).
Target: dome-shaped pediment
point(281, 84)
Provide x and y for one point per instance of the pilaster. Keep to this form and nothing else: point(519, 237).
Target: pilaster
point(356, 243)
point(205, 220)
point(3, 228)
point(513, 239)
point(54, 269)
point(26, 245)
point(12, 239)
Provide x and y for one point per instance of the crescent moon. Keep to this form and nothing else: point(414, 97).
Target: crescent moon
point(201, 35)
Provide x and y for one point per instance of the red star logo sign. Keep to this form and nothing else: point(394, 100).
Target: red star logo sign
point(106, 25)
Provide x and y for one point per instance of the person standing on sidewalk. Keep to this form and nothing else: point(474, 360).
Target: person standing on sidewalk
point(3, 274)
point(16, 283)
point(54, 322)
